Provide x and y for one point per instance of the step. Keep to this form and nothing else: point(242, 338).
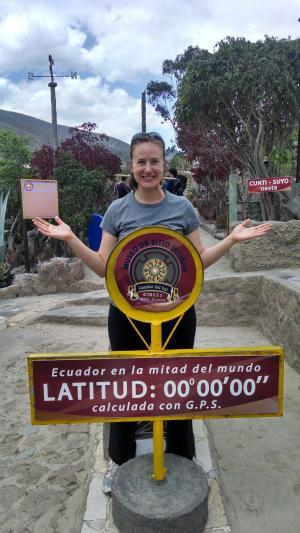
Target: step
point(89, 315)
point(90, 298)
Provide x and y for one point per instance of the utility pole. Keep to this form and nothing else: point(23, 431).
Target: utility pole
point(144, 111)
point(52, 84)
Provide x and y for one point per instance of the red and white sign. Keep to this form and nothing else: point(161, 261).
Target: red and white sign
point(77, 390)
point(269, 184)
point(155, 268)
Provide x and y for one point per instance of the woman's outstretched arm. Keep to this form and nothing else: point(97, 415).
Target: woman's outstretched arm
point(242, 232)
point(96, 261)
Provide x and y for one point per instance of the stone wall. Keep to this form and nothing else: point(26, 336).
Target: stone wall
point(279, 317)
point(279, 249)
point(229, 301)
point(60, 274)
point(267, 302)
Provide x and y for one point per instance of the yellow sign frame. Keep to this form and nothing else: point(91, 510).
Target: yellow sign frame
point(260, 351)
point(150, 316)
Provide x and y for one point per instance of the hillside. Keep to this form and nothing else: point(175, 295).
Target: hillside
point(40, 132)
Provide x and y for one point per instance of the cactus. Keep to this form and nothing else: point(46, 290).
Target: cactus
point(3, 205)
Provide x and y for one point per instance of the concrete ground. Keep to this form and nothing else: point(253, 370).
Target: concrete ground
point(51, 476)
point(258, 465)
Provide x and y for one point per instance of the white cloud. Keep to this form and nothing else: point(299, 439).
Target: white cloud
point(130, 40)
point(131, 37)
point(83, 100)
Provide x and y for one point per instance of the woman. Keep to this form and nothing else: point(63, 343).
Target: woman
point(148, 205)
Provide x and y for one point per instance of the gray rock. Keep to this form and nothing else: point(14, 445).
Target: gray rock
point(59, 270)
point(279, 249)
point(64, 477)
point(9, 494)
point(30, 452)
point(60, 274)
point(293, 205)
point(38, 502)
point(29, 430)
point(28, 473)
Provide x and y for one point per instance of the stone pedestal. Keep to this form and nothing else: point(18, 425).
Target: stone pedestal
point(179, 504)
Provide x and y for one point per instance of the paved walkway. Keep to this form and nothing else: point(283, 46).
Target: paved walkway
point(58, 464)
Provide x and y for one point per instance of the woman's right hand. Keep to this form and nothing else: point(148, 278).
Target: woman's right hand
point(62, 231)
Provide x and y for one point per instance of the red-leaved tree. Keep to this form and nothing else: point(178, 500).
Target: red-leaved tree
point(42, 162)
point(84, 146)
point(211, 161)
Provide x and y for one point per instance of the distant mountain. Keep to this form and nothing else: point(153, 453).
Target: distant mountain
point(40, 132)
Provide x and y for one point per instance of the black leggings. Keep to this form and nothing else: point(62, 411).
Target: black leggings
point(179, 433)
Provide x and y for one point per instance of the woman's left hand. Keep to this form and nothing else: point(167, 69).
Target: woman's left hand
point(245, 232)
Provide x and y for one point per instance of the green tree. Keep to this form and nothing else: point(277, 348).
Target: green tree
point(81, 192)
point(248, 93)
point(179, 162)
point(163, 95)
point(160, 95)
point(14, 159)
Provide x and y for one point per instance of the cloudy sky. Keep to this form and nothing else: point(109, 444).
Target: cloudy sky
point(116, 47)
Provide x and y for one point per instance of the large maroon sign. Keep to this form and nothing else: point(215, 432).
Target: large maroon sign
point(269, 184)
point(155, 268)
point(79, 390)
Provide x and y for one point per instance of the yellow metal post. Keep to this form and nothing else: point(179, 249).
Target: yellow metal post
point(156, 336)
point(159, 473)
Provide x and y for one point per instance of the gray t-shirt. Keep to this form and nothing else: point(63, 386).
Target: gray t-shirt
point(127, 214)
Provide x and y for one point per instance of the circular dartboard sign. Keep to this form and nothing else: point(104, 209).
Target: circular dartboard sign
point(154, 274)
